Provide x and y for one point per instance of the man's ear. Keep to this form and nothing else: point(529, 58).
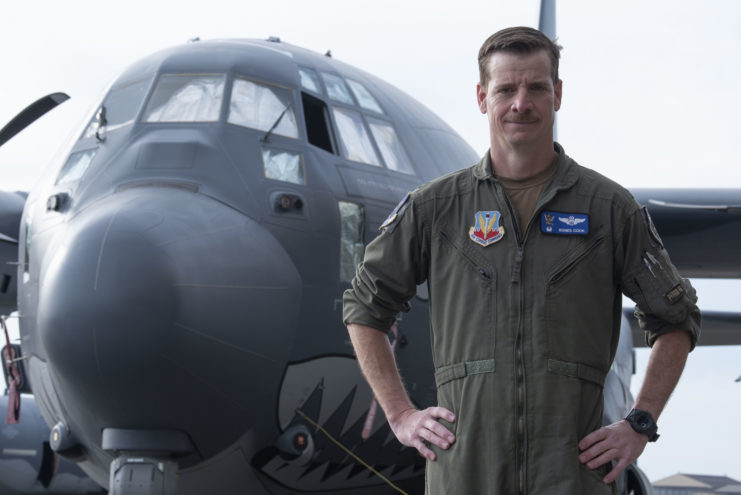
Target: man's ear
point(481, 97)
point(557, 91)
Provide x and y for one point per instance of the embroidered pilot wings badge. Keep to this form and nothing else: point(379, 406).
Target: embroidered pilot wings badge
point(552, 222)
point(572, 220)
point(486, 229)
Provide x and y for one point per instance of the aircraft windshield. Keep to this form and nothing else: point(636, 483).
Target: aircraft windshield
point(354, 138)
point(186, 98)
point(121, 106)
point(259, 107)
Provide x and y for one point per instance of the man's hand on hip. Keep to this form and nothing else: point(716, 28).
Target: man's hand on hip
point(413, 428)
point(616, 442)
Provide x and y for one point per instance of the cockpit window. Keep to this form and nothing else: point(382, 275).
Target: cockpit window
point(352, 248)
point(354, 139)
point(337, 89)
point(75, 166)
point(364, 97)
point(283, 165)
point(186, 98)
point(262, 107)
point(119, 108)
point(389, 144)
point(309, 80)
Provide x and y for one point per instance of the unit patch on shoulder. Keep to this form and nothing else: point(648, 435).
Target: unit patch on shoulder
point(395, 213)
point(554, 222)
point(486, 229)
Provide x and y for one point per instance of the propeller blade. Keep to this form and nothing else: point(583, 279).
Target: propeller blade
point(8, 239)
point(547, 26)
point(30, 114)
point(547, 18)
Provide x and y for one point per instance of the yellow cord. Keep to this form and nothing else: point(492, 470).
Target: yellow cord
point(361, 461)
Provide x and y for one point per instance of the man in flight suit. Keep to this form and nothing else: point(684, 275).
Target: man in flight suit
point(526, 255)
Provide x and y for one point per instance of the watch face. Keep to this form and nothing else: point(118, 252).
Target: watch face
point(643, 420)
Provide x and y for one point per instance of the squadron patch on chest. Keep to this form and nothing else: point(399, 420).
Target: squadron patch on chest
point(486, 229)
point(554, 222)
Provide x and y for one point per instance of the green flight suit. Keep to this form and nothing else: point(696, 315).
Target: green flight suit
point(523, 328)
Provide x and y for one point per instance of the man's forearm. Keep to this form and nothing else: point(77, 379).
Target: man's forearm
point(377, 362)
point(618, 442)
point(665, 366)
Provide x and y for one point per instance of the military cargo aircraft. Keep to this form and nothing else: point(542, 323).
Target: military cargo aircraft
point(179, 276)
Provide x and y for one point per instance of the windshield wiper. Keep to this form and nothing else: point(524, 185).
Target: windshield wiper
point(277, 121)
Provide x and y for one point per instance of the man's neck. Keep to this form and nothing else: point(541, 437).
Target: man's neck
point(520, 164)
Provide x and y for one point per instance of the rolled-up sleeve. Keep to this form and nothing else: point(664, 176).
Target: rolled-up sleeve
point(665, 302)
point(387, 278)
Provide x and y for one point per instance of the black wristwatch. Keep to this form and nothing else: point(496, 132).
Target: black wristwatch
point(643, 422)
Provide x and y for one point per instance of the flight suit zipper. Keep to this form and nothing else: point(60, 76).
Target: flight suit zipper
point(520, 378)
point(520, 406)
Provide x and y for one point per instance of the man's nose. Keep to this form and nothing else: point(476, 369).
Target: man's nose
point(521, 101)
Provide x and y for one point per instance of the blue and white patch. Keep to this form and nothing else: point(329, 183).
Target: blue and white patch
point(554, 222)
point(394, 214)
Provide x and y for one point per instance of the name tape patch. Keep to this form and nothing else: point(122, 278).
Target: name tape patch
point(554, 222)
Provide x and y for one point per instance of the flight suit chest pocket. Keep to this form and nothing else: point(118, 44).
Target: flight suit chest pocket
point(462, 302)
point(579, 300)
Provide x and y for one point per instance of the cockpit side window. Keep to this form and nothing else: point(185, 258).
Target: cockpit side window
point(309, 80)
point(355, 141)
point(364, 97)
point(75, 166)
point(262, 107)
point(336, 88)
point(352, 248)
point(186, 98)
point(283, 165)
point(389, 145)
point(318, 129)
point(119, 108)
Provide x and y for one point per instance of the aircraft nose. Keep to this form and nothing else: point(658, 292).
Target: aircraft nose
point(165, 309)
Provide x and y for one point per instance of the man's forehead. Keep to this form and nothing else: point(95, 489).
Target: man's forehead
point(511, 65)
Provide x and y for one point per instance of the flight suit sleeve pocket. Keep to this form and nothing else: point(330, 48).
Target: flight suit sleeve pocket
point(662, 294)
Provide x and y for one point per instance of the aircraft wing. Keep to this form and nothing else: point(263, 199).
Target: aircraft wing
point(718, 328)
point(700, 228)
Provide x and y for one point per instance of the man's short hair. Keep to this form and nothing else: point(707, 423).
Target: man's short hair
point(522, 40)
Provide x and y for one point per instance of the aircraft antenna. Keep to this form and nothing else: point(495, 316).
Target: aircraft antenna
point(350, 452)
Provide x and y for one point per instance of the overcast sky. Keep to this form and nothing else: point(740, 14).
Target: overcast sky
point(650, 99)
